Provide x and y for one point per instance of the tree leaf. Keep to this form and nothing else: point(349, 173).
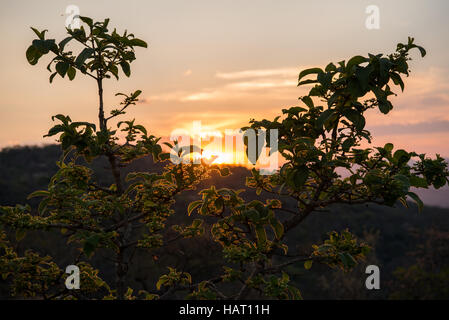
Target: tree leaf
point(277, 227)
point(33, 55)
point(53, 76)
point(306, 72)
point(138, 43)
point(83, 56)
point(418, 201)
point(308, 101)
point(39, 193)
point(261, 235)
point(62, 67)
point(308, 264)
point(90, 244)
point(40, 35)
point(87, 21)
point(126, 68)
point(20, 234)
point(355, 61)
point(71, 72)
point(63, 43)
point(192, 206)
point(418, 182)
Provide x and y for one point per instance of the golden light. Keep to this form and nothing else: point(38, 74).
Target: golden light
point(218, 148)
point(217, 157)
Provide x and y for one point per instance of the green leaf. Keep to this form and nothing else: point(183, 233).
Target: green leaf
point(355, 61)
point(53, 76)
point(141, 129)
point(384, 68)
point(347, 144)
point(90, 244)
point(324, 116)
point(33, 55)
point(363, 75)
point(39, 193)
point(136, 94)
point(421, 50)
point(397, 80)
point(277, 227)
point(300, 176)
point(401, 157)
point(384, 106)
point(192, 206)
point(87, 21)
point(418, 182)
point(114, 70)
point(126, 68)
point(418, 201)
point(306, 72)
point(308, 101)
point(40, 35)
point(83, 56)
point(347, 260)
point(294, 110)
point(308, 81)
point(224, 172)
point(355, 117)
point(308, 264)
point(63, 43)
point(261, 235)
point(389, 147)
point(197, 223)
point(20, 234)
point(138, 43)
point(71, 72)
point(330, 68)
point(62, 67)
point(159, 283)
point(44, 46)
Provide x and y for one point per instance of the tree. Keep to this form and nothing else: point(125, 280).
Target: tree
point(325, 164)
point(131, 213)
point(317, 142)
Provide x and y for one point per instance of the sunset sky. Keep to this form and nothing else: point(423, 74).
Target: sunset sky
point(224, 62)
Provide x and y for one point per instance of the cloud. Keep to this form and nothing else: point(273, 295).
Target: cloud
point(201, 96)
point(273, 83)
point(259, 73)
point(416, 128)
point(239, 85)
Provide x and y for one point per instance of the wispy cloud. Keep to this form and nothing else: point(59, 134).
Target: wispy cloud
point(269, 83)
point(238, 85)
point(415, 128)
point(259, 73)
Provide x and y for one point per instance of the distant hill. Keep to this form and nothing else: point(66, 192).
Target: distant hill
point(26, 169)
point(400, 236)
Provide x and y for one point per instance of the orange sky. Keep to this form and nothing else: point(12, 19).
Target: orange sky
point(224, 62)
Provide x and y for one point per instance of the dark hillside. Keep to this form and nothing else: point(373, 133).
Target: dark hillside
point(401, 237)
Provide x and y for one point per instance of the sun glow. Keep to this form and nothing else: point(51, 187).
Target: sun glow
point(214, 147)
point(211, 156)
